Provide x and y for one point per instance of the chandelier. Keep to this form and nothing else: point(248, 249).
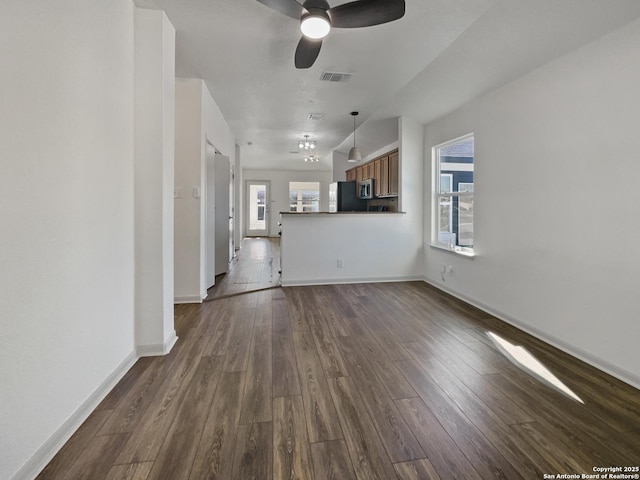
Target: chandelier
point(311, 158)
point(307, 144)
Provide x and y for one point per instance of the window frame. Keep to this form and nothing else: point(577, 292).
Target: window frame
point(298, 205)
point(437, 196)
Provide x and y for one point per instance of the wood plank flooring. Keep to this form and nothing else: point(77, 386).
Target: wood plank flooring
point(254, 268)
point(351, 382)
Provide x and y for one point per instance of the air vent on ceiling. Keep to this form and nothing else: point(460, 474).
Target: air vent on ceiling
point(335, 77)
point(315, 116)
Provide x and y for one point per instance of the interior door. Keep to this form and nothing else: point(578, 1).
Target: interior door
point(223, 213)
point(232, 202)
point(257, 208)
point(210, 215)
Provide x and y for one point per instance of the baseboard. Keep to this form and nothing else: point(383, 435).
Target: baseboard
point(596, 362)
point(189, 299)
point(339, 281)
point(48, 450)
point(158, 350)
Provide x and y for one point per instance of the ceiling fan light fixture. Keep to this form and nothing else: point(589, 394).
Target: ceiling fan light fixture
point(315, 24)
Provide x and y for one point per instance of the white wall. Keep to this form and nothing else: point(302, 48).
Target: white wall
point(67, 213)
point(154, 178)
point(556, 182)
point(189, 153)
point(198, 121)
point(340, 164)
point(280, 190)
point(374, 247)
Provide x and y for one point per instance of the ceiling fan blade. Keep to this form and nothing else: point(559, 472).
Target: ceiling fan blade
point(365, 13)
point(307, 52)
point(290, 8)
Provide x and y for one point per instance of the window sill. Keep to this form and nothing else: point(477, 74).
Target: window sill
point(463, 252)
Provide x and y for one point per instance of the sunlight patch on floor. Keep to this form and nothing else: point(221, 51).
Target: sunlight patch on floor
point(523, 359)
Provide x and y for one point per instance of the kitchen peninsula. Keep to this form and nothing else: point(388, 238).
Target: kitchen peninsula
point(343, 247)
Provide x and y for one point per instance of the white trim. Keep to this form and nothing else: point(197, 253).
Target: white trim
point(462, 251)
point(456, 167)
point(157, 350)
point(56, 441)
point(338, 281)
point(436, 194)
point(621, 374)
point(189, 299)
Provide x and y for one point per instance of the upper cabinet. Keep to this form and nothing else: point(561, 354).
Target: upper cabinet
point(393, 173)
point(383, 170)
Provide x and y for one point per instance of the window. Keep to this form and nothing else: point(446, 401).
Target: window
point(304, 196)
point(453, 195)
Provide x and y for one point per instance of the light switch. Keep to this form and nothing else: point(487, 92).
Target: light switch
point(177, 192)
point(196, 192)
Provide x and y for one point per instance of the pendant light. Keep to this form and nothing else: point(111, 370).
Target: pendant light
point(354, 153)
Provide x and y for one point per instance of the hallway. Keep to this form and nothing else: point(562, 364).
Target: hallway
point(255, 267)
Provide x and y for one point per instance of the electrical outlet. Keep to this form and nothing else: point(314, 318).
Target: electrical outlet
point(340, 263)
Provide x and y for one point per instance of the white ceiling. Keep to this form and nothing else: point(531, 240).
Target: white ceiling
point(440, 55)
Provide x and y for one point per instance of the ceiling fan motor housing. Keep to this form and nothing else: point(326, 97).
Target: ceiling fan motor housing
point(323, 4)
point(316, 12)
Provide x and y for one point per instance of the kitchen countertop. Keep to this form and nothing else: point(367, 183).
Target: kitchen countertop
point(341, 213)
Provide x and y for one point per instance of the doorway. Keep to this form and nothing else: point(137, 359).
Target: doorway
point(219, 215)
point(257, 209)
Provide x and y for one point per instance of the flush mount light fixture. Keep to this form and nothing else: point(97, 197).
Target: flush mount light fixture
point(307, 144)
point(354, 153)
point(315, 24)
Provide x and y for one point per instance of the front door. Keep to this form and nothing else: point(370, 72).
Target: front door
point(257, 209)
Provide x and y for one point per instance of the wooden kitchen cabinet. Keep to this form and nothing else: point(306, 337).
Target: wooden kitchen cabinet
point(383, 170)
point(377, 170)
point(393, 173)
point(384, 176)
point(351, 175)
point(370, 170)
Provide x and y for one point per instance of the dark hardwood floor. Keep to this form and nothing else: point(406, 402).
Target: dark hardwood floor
point(254, 268)
point(376, 381)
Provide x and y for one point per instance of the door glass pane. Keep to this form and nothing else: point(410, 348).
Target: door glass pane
point(257, 220)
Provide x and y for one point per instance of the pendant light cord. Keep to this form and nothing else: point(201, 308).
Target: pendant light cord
point(354, 130)
point(354, 115)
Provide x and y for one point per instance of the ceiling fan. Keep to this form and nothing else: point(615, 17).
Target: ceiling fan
point(317, 18)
